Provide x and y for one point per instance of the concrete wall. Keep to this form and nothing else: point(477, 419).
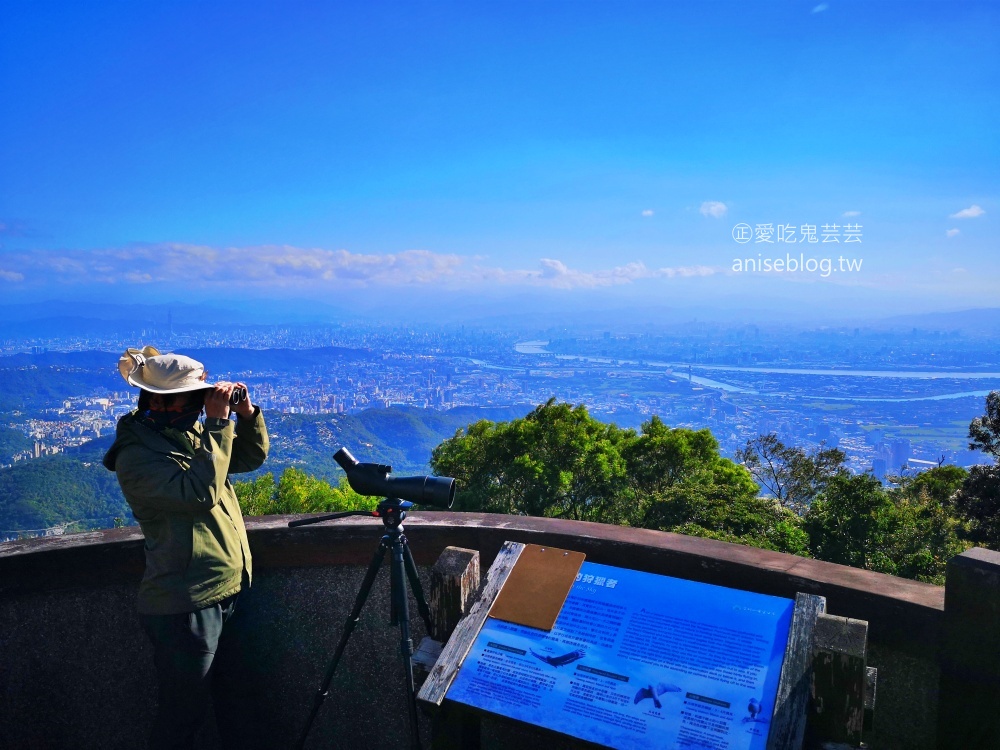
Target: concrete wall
point(75, 668)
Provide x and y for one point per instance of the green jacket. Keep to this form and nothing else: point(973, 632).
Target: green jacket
point(178, 488)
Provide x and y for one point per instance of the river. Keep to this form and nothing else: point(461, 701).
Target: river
point(680, 370)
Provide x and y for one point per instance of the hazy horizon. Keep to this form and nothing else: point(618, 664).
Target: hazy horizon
point(70, 317)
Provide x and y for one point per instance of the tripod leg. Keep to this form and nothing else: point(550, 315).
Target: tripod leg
point(352, 621)
point(418, 590)
point(405, 642)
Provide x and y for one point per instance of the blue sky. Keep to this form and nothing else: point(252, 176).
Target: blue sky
point(587, 152)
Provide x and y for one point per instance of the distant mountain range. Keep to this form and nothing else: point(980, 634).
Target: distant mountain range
point(56, 318)
point(222, 359)
point(982, 319)
point(64, 315)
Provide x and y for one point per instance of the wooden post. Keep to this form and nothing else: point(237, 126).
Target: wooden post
point(871, 682)
point(454, 587)
point(788, 724)
point(837, 709)
point(433, 692)
point(968, 713)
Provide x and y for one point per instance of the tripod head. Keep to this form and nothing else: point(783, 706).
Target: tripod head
point(392, 511)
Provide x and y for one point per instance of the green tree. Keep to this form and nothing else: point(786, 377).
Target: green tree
point(730, 514)
point(257, 497)
point(298, 492)
point(939, 484)
point(978, 501)
point(660, 458)
point(684, 485)
point(852, 523)
point(984, 431)
point(789, 474)
point(557, 461)
point(903, 532)
point(926, 539)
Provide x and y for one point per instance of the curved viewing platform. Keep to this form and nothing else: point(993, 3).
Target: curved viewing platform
point(77, 669)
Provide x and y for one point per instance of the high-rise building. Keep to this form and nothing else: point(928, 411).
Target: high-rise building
point(899, 453)
point(879, 468)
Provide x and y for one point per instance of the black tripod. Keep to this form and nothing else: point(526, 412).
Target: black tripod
point(392, 512)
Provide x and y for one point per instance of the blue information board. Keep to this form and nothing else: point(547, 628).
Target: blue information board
point(638, 660)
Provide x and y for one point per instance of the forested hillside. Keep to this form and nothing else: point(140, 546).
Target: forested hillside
point(13, 441)
point(27, 388)
point(55, 490)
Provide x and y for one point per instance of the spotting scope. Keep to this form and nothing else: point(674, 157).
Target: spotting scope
point(374, 479)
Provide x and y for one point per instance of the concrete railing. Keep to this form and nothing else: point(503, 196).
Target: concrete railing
point(77, 670)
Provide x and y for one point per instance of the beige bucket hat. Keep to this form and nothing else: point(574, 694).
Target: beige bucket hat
point(146, 368)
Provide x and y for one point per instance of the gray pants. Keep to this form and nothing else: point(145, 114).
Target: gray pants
point(185, 648)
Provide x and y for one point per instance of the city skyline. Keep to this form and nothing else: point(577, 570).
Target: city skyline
point(865, 391)
point(419, 159)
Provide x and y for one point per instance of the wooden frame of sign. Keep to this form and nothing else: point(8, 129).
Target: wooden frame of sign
point(788, 722)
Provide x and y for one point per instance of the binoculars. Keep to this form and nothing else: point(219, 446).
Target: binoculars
point(238, 396)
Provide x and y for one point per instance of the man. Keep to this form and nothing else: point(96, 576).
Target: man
point(173, 471)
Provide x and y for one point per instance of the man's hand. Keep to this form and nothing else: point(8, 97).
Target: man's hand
point(217, 401)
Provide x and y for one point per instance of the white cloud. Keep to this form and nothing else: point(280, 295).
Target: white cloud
point(820, 8)
point(248, 266)
point(556, 274)
point(714, 209)
point(953, 232)
point(687, 271)
point(849, 214)
point(285, 267)
point(968, 213)
point(648, 212)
